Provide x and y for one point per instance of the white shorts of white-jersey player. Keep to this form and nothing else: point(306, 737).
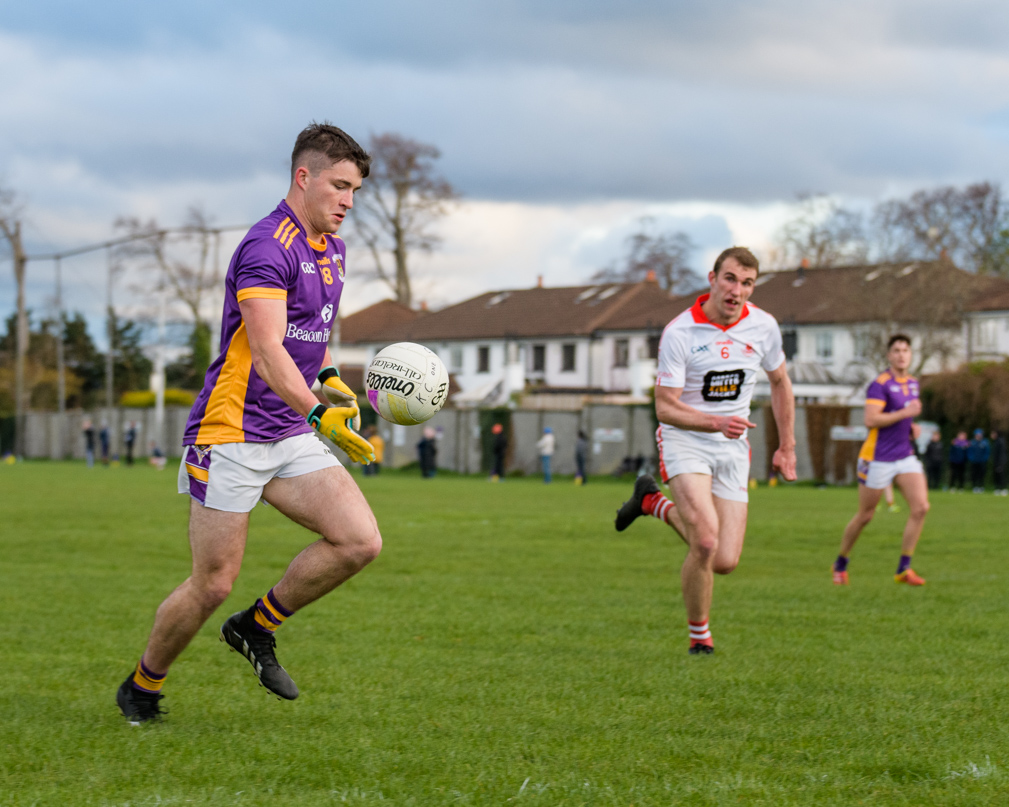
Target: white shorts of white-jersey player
point(703, 393)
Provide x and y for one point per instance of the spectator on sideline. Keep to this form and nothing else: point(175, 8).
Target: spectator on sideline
point(546, 445)
point(88, 430)
point(499, 447)
point(978, 451)
point(129, 438)
point(933, 460)
point(378, 443)
point(427, 450)
point(103, 438)
point(581, 458)
point(958, 461)
point(998, 462)
point(157, 457)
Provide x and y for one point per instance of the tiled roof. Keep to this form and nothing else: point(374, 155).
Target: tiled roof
point(535, 312)
point(909, 292)
point(372, 323)
point(936, 292)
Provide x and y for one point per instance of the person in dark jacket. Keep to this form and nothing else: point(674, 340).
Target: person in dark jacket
point(999, 457)
point(581, 458)
point(934, 453)
point(957, 461)
point(499, 447)
point(427, 451)
point(978, 451)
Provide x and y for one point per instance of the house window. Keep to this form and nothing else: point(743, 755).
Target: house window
point(568, 358)
point(455, 359)
point(653, 347)
point(483, 359)
point(790, 344)
point(864, 344)
point(825, 347)
point(539, 358)
point(985, 335)
point(621, 352)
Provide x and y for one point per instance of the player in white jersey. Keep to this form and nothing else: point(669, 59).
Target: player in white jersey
point(709, 359)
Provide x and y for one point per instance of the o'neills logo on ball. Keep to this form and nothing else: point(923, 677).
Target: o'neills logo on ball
point(388, 383)
point(396, 367)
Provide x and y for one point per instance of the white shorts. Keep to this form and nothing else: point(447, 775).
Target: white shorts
point(877, 475)
point(726, 462)
point(231, 476)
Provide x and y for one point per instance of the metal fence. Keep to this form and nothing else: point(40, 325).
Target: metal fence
point(615, 433)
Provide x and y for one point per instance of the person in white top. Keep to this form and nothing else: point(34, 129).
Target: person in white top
point(546, 447)
point(709, 359)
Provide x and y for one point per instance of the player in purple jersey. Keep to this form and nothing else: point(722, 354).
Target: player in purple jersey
point(249, 435)
point(887, 456)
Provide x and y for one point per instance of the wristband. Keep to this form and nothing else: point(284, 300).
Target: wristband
point(314, 418)
point(327, 373)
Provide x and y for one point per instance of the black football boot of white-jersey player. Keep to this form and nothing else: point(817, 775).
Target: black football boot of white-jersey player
point(631, 509)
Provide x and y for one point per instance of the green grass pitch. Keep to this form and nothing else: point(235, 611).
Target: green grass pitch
point(508, 647)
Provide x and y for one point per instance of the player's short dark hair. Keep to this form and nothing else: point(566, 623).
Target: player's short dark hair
point(898, 337)
point(324, 144)
point(742, 255)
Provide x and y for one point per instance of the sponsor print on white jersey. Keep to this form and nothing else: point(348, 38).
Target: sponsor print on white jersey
point(717, 366)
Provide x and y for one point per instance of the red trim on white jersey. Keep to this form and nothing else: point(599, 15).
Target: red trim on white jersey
point(700, 317)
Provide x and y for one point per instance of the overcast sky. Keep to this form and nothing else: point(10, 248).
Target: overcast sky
point(560, 122)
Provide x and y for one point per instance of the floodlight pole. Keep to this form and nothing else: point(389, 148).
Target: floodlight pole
point(111, 328)
point(159, 373)
point(61, 378)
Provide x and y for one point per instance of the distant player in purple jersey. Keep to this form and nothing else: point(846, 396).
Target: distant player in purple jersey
point(887, 456)
point(250, 433)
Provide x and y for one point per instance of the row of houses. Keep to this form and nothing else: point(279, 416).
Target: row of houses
point(561, 347)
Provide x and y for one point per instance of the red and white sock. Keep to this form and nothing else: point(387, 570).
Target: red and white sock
point(655, 504)
point(700, 633)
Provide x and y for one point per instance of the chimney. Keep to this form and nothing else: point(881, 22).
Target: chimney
point(651, 277)
point(423, 305)
point(539, 281)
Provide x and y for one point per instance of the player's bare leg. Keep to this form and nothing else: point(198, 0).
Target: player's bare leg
point(731, 533)
point(217, 541)
point(868, 499)
point(915, 490)
point(327, 502)
point(715, 530)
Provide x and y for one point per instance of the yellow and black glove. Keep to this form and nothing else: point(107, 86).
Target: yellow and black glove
point(336, 391)
point(336, 424)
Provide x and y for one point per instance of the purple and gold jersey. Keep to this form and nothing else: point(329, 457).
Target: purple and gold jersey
point(890, 443)
point(275, 261)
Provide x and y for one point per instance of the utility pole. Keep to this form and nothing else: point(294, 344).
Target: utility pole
point(111, 328)
point(215, 331)
point(61, 377)
point(12, 233)
point(158, 378)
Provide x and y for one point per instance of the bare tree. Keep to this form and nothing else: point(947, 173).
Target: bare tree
point(824, 233)
point(190, 272)
point(397, 206)
point(966, 224)
point(188, 268)
point(666, 253)
point(927, 299)
point(10, 227)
